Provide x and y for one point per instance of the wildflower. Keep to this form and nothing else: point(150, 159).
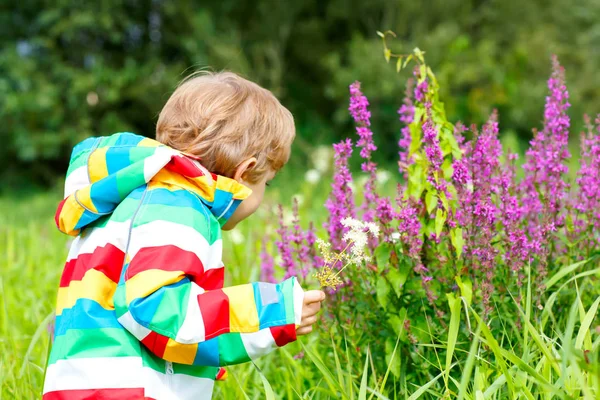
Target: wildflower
point(406, 112)
point(356, 239)
point(312, 176)
point(321, 158)
point(544, 189)
point(236, 237)
point(285, 247)
point(341, 202)
point(362, 117)
point(383, 177)
point(267, 270)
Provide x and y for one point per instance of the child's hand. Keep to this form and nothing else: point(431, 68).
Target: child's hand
point(310, 308)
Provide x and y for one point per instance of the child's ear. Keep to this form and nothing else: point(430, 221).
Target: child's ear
point(243, 168)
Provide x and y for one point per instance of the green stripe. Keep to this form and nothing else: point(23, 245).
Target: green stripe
point(109, 140)
point(198, 372)
point(152, 361)
point(171, 311)
point(79, 160)
point(125, 210)
point(180, 215)
point(130, 178)
point(287, 287)
point(231, 349)
point(105, 342)
point(139, 153)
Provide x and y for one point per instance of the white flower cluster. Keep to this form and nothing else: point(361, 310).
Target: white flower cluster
point(358, 237)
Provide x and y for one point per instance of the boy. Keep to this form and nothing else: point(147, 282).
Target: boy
point(141, 309)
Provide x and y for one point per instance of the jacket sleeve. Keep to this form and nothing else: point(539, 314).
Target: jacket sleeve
point(160, 299)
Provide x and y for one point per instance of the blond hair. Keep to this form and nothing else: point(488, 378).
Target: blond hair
point(225, 119)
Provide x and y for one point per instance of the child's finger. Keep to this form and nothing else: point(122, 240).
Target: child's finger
point(313, 296)
point(308, 321)
point(304, 330)
point(310, 309)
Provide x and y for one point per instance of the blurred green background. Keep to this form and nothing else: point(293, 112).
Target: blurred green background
point(72, 69)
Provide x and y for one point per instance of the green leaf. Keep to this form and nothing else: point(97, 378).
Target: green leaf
point(382, 256)
point(387, 53)
point(391, 358)
point(408, 59)
point(466, 288)
point(399, 64)
point(454, 305)
point(397, 280)
point(586, 323)
point(431, 201)
point(362, 392)
point(380, 34)
point(383, 292)
point(456, 237)
point(440, 220)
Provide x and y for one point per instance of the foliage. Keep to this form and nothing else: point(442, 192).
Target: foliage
point(69, 70)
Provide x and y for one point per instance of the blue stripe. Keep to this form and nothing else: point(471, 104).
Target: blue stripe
point(273, 313)
point(221, 202)
point(85, 314)
point(166, 197)
point(128, 139)
point(208, 353)
point(105, 194)
point(117, 158)
point(87, 144)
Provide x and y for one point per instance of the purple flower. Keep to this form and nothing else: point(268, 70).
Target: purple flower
point(284, 246)
point(340, 203)
point(267, 269)
point(544, 189)
point(407, 114)
point(420, 91)
point(359, 111)
point(298, 238)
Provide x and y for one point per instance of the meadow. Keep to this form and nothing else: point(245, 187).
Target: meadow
point(482, 285)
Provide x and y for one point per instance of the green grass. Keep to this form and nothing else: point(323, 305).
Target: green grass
point(552, 356)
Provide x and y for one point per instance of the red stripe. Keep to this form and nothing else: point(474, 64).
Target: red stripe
point(283, 334)
point(107, 259)
point(211, 279)
point(214, 306)
point(156, 343)
point(166, 258)
point(184, 166)
point(58, 211)
point(97, 394)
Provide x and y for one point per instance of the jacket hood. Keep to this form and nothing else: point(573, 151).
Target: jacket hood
point(103, 171)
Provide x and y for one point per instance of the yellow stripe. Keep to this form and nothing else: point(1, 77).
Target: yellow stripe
point(94, 286)
point(147, 142)
point(69, 216)
point(180, 353)
point(97, 164)
point(147, 282)
point(239, 191)
point(243, 316)
point(84, 197)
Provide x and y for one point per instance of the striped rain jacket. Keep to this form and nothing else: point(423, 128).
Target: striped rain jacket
point(141, 311)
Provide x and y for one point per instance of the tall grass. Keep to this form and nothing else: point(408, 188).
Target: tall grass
point(552, 353)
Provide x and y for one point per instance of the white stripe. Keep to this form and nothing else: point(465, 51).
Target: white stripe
point(137, 330)
point(258, 344)
point(164, 233)
point(192, 329)
point(94, 373)
point(76, 180)
point(298, 301)
point(114, 233)
point(157, 161)
point(124, 373)
point(186, 387)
